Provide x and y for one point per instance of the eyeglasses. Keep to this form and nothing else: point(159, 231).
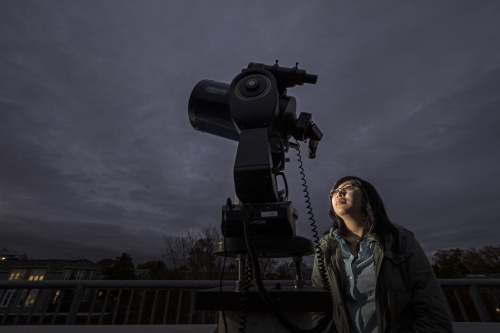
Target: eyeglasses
point(342, 189)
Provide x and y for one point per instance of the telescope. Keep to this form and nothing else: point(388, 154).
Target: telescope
point(255, 110)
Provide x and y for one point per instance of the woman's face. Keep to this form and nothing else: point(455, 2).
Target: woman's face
point(347, 200)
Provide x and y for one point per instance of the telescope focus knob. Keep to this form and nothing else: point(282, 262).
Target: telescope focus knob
point(252, 85)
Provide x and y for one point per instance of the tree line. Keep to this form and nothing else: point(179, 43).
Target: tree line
point(458, 263)
point(190, 256)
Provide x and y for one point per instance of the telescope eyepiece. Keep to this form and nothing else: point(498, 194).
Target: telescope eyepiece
point(310, 78)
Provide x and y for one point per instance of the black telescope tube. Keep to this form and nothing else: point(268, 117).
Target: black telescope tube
point(208, 110)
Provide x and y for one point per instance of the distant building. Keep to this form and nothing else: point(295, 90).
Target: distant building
point(473, 276)
point(151, 270)
point(143, 273)
point(6, 254)
point(15, 268)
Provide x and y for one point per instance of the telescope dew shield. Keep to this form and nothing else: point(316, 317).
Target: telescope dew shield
point(208, 110)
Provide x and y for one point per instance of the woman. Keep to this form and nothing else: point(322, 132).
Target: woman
point(379, 277)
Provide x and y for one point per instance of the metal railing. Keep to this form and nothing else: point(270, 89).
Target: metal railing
point(143, 302)
point(476, 299)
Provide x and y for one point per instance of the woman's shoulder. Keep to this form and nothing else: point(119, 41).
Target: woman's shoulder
point(328, 233)
point(406, 240)
point(403, 232)
point(327, 239)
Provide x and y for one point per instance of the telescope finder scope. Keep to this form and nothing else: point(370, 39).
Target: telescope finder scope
point(291, 75)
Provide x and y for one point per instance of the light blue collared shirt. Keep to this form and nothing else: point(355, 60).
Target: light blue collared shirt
point(360, 286)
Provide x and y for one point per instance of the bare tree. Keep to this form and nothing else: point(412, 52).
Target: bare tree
point(268, 267)
point(175, 252)
point(192, 256)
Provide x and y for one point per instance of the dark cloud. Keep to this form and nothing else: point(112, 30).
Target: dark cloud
point(97, 156)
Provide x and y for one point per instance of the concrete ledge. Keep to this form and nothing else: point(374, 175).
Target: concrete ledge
point(110, 329)
point(212, 328)
point(288, 299)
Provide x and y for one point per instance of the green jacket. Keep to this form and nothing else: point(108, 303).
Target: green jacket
point(408, 295)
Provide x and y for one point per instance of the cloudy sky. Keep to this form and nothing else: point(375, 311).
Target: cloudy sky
point(97, 155)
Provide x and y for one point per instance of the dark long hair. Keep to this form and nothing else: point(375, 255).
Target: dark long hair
point(377, 221)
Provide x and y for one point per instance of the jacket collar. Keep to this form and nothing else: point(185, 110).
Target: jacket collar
point(389, 245)
point(368, 237)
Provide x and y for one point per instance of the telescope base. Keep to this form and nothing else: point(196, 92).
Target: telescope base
point(267, 246)
point(296, 304)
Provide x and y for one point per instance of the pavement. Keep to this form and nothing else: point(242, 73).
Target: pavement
point(458, 328)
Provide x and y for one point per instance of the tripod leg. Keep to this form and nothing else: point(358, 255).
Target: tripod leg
point(299, 279)
point(241, 258)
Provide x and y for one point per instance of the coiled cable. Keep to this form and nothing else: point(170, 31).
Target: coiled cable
point(244, 296)
point(320, 254)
